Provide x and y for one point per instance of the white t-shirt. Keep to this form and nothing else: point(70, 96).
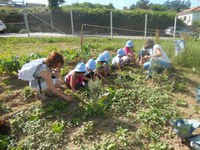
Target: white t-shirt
point(116, 60)
point(164, 56)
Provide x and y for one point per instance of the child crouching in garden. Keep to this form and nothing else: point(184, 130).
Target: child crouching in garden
point(100, 70)
point(107, 63)
point(119, 61)
point(74, 79)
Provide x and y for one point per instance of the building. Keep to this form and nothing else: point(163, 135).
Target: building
point(35, 5)
point(3, 2)
point(190, 15)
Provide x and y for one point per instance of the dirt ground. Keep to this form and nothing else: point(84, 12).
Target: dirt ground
point(14, 99)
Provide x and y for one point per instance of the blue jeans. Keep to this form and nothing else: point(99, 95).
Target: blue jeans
point(156, 66)
point(146, 65)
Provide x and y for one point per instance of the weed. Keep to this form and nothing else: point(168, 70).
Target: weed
point(181, 103)
point(27, 92)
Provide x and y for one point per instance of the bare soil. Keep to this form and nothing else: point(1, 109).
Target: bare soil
point(11, 95)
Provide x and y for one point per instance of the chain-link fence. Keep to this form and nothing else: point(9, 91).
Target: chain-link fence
point(76, 22)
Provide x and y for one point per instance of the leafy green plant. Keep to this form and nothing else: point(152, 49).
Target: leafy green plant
point(87, 128)
point(121, 135)
point(4, 108)
point(181, 102)
point(95, 87)
point(27, 92)
point(57, 127)
point(158, 146)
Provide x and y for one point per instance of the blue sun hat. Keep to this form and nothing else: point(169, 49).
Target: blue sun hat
point(107, 55)
point(129, 43)
point(91, 64)
point(102, 58)
point(80, 67)
point(120, 52)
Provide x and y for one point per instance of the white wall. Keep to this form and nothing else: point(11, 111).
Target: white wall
point(187, 18)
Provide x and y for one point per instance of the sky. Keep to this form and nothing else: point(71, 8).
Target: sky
point(118, 4)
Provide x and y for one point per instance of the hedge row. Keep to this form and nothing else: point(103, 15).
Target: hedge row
point(128, 19)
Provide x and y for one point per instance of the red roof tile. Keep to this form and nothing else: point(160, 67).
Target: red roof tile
point(189, 10)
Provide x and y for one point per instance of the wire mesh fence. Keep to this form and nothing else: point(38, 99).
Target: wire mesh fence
point(72, 22)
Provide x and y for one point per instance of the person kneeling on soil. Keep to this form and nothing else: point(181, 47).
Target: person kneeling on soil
point(120, 59)
point(107, 63)
point(128, 49)
point(100, 70)
point(158, 59)
point(74, 79)
point(90, 69)
point(141, 60)
point(47, 77)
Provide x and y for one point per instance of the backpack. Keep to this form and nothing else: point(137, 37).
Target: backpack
point(28, 69)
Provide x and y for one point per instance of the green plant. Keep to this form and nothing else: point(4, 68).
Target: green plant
point(87, 128)
point(181, 102)
point(121, 135)
point(27, 92)
point(58, 127)
point(158, 146)
point(95, 87)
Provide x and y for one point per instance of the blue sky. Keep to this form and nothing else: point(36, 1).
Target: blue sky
point(119, 4)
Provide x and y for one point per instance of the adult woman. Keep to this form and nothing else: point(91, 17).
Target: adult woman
point(47, 76)
point(158, 59)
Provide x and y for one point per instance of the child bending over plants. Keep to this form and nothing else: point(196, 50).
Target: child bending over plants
point(74, 79)
point(107, 63)
point(101, 71)
point(120, 59)
point(129, 50)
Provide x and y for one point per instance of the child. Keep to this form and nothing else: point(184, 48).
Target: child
point(143, 52)
point(117, 61)
point(90, 68)
point(128, 50)
point(101, 71)
point(76, 76)
point(107, 63)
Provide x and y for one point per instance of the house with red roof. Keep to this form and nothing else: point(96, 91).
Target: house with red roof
point(190, 15)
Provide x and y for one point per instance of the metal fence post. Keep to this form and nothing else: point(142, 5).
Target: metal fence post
point(51, 19)
point(72, 23)
point(26, 22)
point(174, 35)
point(145, 27)
point(111, 25)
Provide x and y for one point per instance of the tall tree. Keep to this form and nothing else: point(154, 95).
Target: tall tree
point(143, 4)
point(55, 3)
point(178, 5)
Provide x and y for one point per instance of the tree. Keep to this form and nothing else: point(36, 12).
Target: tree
point(143, 4)
point(157, 7)
point(133, 6)
point(178, 5)
point(55, 3)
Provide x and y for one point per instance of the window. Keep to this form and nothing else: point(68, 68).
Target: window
point(184, 18)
